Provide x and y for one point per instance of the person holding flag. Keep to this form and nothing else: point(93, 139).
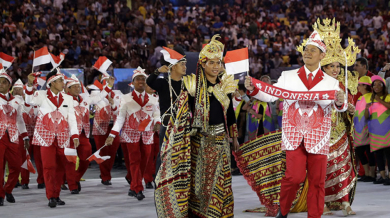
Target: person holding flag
point(168, 88)
point(11, 126)
point(306, 124)
point(55, 123)
point(29, 116)
point(105, 113)
point(195, 154)
point(81, 103)
point(138, 119)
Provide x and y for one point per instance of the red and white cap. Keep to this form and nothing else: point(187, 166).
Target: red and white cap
point(54, 78)
point(316, 40)
point(4, 74)
point(139, 72)
point(18, 84)
point(73, 80)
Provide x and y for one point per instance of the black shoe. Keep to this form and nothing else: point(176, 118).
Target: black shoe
point(140, 196)
point(107, 182)
point(63, 187)
point(78, 186)
point(128, 181)
point(131, 193)
point(387, 182)
point(10, 198)
point(52, 203)
point(149, 185)
point(60, 202)
point(41, 186)
point(379, 181)
point(75, 192)
point(279, 215)
point(236, 172)
point(369, 179)
point(25, 186)
point(362, 178)
point(17, 185)
point(1, 201)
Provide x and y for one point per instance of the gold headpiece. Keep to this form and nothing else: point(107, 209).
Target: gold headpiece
point(330, 32)
point(214, 49)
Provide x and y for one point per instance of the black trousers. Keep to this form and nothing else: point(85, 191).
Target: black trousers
point(364, 150)
point(381, 156)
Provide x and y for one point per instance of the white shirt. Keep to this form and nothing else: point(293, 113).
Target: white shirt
point(314, 72)
point(378, 20)
point(54, 95)
point(6, 95)
point(142, 94)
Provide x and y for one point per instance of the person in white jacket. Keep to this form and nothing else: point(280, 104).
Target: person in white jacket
point(56, 119)
point(139, 119)
point(11, 126)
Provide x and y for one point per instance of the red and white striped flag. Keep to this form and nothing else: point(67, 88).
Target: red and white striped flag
point(28, 164)
point(71, 154)
point(6, 60)
point(237, 61)
point(41, 56)
point(56, 60)
point(171, 56)
point(96, 157)
point(102, 65)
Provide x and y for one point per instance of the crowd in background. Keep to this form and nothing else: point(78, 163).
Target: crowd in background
point(132, 33)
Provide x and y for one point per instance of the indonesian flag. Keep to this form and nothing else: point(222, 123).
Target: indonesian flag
point(71, 154)
point(6, 60)
point(56, 60)
point(96, 85)
point(96, 157)
point(102, 65)
point(171, 56)
point(28, 164)
point(41, 56)
point(237, 61)
point(41, 81)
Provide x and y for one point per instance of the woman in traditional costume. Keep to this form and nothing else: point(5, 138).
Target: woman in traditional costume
point(378, 113)
point(195, 176)
point(361, 136)
point(341, 178)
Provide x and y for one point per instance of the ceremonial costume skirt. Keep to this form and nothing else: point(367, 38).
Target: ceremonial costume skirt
point(211, 183)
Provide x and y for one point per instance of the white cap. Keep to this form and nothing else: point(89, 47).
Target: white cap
point(73, 80)
point(18, 84)
point(139, 72)
point(316, 40)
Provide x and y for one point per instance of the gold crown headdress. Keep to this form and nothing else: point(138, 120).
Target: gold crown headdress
point(330, 32)
point(214, 49)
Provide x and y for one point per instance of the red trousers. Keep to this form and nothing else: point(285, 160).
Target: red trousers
point(38, 163)
point(106, 166)
point(83, 152)
point(297, 162)
point(138, 154)
point(9, 152)
point(53, 161)
point(127, 160)
point(151, 166)
point(25, 174)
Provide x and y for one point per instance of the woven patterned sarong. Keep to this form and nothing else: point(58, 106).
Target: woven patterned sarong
point(263, 163)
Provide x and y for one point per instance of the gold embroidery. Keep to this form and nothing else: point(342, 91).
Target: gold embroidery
point(353, 80)
point(190, 83)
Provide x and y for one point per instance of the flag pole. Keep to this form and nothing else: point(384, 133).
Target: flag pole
point(346, 76)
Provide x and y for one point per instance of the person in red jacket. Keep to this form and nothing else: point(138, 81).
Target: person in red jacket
point(11, 126)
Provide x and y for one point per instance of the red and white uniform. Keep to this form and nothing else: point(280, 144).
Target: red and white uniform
point(84, 150)
point(11, 126)
point(105, 115)
point(138, 114)
point(55, 127)
point(305, 136)
point(29, 116)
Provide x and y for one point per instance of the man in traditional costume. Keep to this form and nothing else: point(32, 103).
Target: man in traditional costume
point(56, 125)
point(340, 183)
point(306, 126)
point(11, 125)
point(139, 118)
point(195, 179)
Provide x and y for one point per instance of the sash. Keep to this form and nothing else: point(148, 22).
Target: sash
point(293, 95)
